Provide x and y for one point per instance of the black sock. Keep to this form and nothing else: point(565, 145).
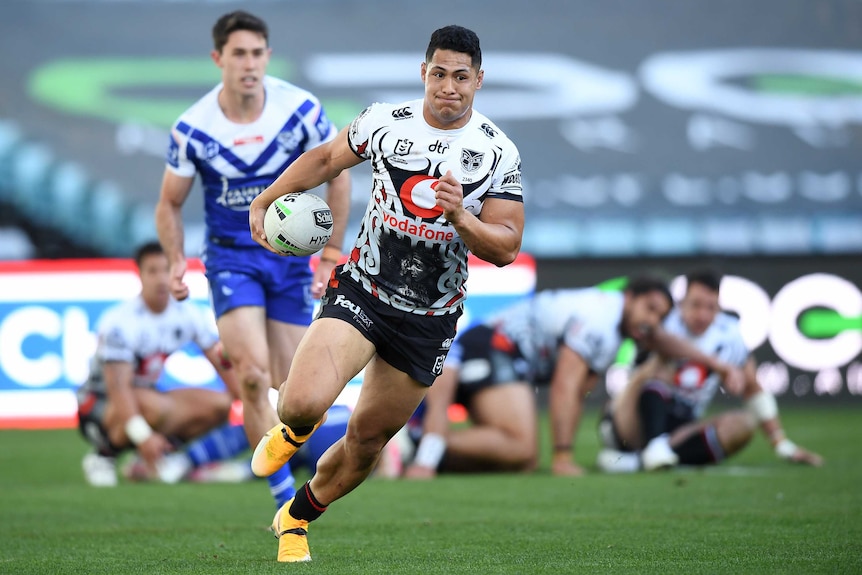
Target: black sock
point(653, 413)
point(700, 448)
point(305, 505)
point(300, 431)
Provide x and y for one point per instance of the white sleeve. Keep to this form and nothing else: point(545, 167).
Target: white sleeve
point(359, 133)
point(116, 340)
point(507, 179)
point(179, 154)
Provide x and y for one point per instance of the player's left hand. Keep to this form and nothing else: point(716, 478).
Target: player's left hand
point(322, 273)
point(806, 457)
point(450, 196)
point(415, 471)
point(256, 213)
point(563, 468)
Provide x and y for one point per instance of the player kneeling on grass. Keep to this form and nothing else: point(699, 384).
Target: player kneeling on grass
point(561, 338)
point(119, 406)
point(657, 421)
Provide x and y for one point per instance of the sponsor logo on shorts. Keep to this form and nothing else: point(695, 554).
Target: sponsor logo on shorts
point(358, 314)
point(438, 365)
point(447, 343)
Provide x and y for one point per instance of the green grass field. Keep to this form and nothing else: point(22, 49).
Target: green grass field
point(753, 514)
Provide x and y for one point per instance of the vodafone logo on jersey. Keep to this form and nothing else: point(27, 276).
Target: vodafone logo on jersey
point(418, 197)
point(691, 376)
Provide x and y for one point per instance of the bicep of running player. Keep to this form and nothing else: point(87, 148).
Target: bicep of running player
point(495, 235)
point(311, 169)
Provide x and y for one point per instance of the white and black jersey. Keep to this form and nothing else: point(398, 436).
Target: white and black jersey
point(407, 254)
point(587, 320)
point(130, 332)
point(693, 382)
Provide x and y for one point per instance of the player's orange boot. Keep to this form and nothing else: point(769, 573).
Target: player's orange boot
point(292, 535)
point(277, 446)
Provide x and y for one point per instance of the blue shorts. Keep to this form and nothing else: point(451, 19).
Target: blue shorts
point(253, 276)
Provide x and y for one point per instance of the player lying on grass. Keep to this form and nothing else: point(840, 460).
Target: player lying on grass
point(564, 338)
point(657, 421)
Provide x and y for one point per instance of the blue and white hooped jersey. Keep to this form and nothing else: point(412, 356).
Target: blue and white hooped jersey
point(407, 254)
point(238, 161)
point(586, 320)
point(693, 382)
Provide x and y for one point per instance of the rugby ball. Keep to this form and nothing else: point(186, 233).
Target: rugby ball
point(298, 224)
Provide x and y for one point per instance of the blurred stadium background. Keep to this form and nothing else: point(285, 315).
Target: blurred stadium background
point(655, 136)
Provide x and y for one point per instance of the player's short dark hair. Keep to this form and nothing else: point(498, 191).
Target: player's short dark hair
point(645, 284)
point(708, 278)
point(237, 20)
point(457, 39)
point(147, 249)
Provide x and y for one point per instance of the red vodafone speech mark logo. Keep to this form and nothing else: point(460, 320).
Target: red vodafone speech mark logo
point(417, 195)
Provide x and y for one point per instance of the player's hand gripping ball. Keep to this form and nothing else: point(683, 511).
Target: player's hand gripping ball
point(298, 224)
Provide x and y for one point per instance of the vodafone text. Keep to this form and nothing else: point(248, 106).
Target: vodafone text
point(420, 231)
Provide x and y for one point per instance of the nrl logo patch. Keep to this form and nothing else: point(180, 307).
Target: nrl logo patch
point(471, 160)
point(402, 147)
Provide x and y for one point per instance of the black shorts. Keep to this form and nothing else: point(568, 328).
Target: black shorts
point(412, 343)
point(678, 413)
point(488, 358)
point(91, 418)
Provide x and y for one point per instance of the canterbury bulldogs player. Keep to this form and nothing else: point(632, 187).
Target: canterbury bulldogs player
point(239, 137)
point(661, 409)
point(446, 181)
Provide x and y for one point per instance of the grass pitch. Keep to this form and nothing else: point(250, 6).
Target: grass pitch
point(752, 514)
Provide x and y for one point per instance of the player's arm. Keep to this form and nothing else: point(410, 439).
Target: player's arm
point(571, 381)
point(128, 424)
point(169, 226)
point(311, 169)
point(223, 366)
point(338, 199)
point(435, 425)
point(495, 236)
point(762, 405)
point(673, 347)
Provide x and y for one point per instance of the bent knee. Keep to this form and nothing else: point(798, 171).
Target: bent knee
point(301, 410)
point(254, 381)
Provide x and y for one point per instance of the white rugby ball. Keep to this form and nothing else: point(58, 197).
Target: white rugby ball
point(298, 224)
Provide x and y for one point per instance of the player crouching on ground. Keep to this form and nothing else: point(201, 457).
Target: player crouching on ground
point(119, 406)
point(656, 422)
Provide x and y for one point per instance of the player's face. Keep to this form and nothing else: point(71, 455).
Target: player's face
point(644, 314)
point(698, 308)
point(243, 61)
point(450, 85)
point(155, 281)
